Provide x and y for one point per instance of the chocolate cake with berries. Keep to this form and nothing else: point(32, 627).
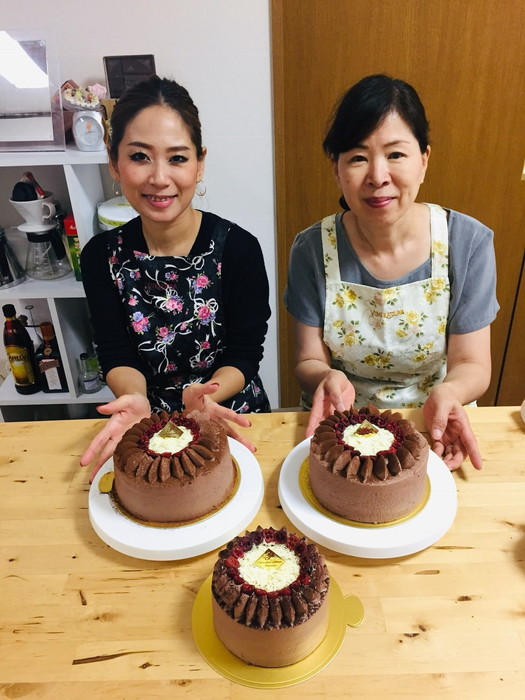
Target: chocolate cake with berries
point(269, 597)
point(368, 465)
point(172, 468)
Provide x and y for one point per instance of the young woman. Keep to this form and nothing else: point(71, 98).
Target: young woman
point(178, 297)
point(392, 299)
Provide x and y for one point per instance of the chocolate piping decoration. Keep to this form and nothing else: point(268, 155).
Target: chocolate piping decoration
point(276, 612)
point(300, 604)
point(365, 472)
point(406, 459)
point(288, 610)
point(394, 465)
point(262, 611)
point(196, 459)
point(386, 464)
point(152, 474)
point(187, 465)
point(342, 461)
point(251, 607)
point(203, 452)
point(353, 466)
point(240, 605)
point(259, 609)
point(209, 443)
point(131, 463)
point(164, 469)
point(176, 468)
point(334, 452)
point(380, 468)
point(143, 466)
point(134, 457)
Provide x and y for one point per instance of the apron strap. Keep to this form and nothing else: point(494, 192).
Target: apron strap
point(439, 238)
point(330, 256)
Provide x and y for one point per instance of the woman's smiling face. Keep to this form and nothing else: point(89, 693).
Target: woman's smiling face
point(157, 165)
point(380, 177)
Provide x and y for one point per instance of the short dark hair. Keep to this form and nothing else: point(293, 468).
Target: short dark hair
point(365, 105)
point(149, 93)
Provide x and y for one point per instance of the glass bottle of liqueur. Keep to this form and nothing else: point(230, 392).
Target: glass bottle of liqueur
point(49, 363)
point(20, 352)
point(88, 378)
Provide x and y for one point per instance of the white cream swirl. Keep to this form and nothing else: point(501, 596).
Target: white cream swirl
point(368, 444)
point(270, 566)
point(170, 445)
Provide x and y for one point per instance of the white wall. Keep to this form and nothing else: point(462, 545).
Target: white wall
point(220, 51)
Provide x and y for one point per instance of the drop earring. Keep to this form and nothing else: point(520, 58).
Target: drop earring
point(115, 188)
point(202, 191)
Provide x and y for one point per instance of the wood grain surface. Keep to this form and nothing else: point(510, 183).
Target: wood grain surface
point(80, 620)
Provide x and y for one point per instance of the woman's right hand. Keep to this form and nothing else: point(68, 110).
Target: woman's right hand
point(125, 411)
point(334, 392)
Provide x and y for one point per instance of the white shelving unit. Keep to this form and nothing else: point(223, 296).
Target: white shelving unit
point(64, 297)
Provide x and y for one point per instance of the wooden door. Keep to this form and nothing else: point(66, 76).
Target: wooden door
point(466, 58)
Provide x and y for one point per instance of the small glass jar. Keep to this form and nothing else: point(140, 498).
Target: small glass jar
point(88, 378)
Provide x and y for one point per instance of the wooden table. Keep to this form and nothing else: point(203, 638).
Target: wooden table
point(80, 620)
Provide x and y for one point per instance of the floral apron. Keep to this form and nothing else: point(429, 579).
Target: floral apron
point(174, 312)
point(391, 343)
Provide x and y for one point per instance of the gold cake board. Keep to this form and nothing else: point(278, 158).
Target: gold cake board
point(343, 611)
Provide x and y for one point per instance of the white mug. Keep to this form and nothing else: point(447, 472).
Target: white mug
point(36, 211)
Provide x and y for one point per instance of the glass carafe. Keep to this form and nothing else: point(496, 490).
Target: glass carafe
point(46, 254)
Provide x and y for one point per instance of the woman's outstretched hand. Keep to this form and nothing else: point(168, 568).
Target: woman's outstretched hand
point(196, 397)
point(125, 412)
point(334, 392)
point(449, 427)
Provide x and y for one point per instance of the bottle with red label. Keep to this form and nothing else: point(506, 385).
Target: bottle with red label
point(20, 353)
point(49, 363)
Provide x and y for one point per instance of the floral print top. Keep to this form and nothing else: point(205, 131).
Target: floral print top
point(391, 342)
point(175, 317)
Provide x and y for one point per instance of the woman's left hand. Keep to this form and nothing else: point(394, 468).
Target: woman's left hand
point(196, 398)
point(449, 427)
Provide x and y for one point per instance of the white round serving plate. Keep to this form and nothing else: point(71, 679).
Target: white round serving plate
point(377, 542)
point(183, 541)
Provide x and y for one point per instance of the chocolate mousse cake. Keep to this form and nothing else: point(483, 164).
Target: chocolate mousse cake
point(368, 466)
point(269, 597)
point(172, 468)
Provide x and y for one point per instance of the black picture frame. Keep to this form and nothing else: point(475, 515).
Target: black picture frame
point(123, 72)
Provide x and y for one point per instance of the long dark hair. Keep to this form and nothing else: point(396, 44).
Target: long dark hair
point(148, 93)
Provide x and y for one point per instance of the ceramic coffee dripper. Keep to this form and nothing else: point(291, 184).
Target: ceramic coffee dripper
point(36, 212)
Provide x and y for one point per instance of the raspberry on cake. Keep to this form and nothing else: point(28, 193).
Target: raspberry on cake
point(269, 597)
point(172, 468)
point(368, 466)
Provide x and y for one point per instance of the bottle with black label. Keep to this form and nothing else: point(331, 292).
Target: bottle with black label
point(49, 363)
point(20, 353)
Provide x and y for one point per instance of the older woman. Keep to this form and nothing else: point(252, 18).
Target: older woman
point(392, 299)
